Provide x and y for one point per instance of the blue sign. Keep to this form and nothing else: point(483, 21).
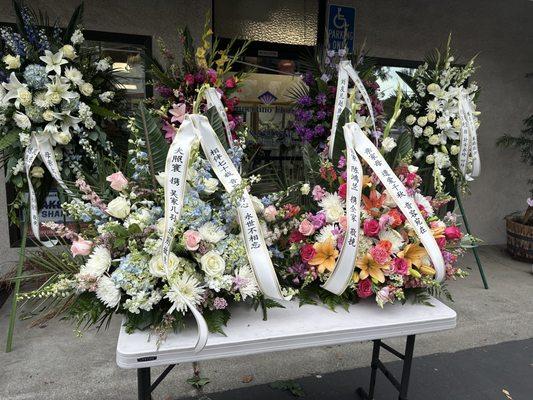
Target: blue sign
point(341, 28)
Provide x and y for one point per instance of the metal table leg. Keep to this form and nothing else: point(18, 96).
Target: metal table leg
point(143, 384)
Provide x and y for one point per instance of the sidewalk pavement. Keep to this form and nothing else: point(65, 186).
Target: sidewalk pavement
point(51, 363)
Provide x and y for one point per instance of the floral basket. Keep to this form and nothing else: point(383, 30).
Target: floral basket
point(519, 239)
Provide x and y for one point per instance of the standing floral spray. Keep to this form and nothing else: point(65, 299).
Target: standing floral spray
point(55, 90)
point(432, 117)
point(176, 84)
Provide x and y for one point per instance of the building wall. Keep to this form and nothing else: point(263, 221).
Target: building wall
point(501, 32)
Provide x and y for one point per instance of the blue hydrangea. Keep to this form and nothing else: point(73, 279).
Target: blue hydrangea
point(35, 76)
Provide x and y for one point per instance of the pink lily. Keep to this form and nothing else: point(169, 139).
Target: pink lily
point(178, 112)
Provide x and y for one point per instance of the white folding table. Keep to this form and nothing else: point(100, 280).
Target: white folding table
point(290, 328)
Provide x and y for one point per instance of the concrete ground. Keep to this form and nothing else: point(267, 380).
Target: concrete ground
point(51, 363)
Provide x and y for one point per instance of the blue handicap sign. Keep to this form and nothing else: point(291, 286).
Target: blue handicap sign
point(341, 28)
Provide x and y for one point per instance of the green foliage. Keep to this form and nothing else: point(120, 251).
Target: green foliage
point(311, 161)
point(86, 310)
point(218, 126)
point(75, 21)
point(8, 139)
point(403, 150)
point(306, 296)
point(155, 145)
point(216, 320)
point(339, 146)
point(332, 301)
point(522, 142)
point(291, 386)
point(197, 381)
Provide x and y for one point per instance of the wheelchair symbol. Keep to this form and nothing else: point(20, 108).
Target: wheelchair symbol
point(339, 21)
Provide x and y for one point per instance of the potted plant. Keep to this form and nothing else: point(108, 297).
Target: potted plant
point(520, 225)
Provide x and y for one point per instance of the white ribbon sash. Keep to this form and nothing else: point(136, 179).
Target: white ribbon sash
point(41, 146)
point(213, 100)
point(346, 72)
point(469, 147)
point(358, 143)
point(197, 126)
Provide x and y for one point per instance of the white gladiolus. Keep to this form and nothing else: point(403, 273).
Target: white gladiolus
point(388, 144)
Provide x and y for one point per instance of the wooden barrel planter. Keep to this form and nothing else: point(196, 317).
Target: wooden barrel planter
point(519, 239)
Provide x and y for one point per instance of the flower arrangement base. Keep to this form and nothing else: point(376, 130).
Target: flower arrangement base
point(290, 328)
point(519, 239)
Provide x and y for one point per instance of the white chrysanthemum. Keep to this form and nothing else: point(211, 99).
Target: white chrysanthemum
point(74, 75)
point(98, 263)
point(424, 202)
point(22, 121)
point(326, 233)
point(183, 289)
point(433, 105)
point(211, 232)
point(443, 123)
point(107, 292)
point(245, 282)
point(41, 100)
point(393, 237)
point(333, 206)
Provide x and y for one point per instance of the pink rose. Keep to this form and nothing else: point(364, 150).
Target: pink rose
point(270, 213)
point(117, 181)
point(453, 233)
point(318, 193)
point(192, 240)
point(307, 252)
point(81, 247)
point(400, 266)
point(343, 222)
point(306, 228)
point(364, 288)
point(441, 241)
point(371, 227)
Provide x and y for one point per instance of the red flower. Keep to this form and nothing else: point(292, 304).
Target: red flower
point(371, 227)
point(364, 288)
point(295, 237)
point(342, 190)
point(230, 82)
point(211, 76)
point(189, 79)
point(291, 210)
point(441, 241)
point(453, 233)
point(397, 216)
point(307, 252)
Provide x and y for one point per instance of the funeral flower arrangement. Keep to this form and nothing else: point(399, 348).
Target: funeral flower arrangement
point(432, 115)
point(391, 262)
point(176, 84)
point(56, 91)
point(115, 263)
point(314, 102)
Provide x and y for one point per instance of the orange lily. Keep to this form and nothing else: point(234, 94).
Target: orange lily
point(413, 254)
point(373, 203)
point(325, 256)
point(371, 268)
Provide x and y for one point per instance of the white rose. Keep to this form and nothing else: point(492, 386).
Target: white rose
point(86, 89)
point(411, 119)
point(432, 117)
point(25, 97)
point(422, 121)
point(454, 150)
point(417, 130)
point(305, 189)
point(430, 159)
point(428, 131)
point(119, 208)
point(457, 123)
point(62, 137)
point(434, 140)
point(258, 206)
point(48, 115)
point(157, 268)
point(69, 51)
point(210, 185)
point(37, 172)
point(212, 263)
point(433, 88)
point(388, 144)
point(12, 62)
point(22, 120)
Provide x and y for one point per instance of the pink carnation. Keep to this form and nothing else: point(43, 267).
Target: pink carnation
point(318, 193)
point(117, 181)
point(400, 266)
point(379, 254)
point(189, 79)
point(343, 222)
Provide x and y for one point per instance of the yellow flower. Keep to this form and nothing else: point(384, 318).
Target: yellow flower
point(413, 254)
point(371, 268)
point(200, 52)
point(438, 231)
point(325, 256)
point(427, 270)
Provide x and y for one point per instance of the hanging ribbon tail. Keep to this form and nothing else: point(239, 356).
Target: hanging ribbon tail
point(213, 100)
point(41, 146)
point(201, 324)
point(254, 243)
point(342, 274)
point(468, 151)
point(346, 72)
point(366, 149)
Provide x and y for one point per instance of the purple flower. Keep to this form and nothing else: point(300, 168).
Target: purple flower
point(318, 220)
point(220, 303)
point(342, 162)
point(319, 130)
point(308, 78)
point(305, 101)
point(164, 91)
point(321, 98)
point(320, 115)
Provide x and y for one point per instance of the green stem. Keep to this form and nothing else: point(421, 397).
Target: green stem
point(199, 97)
point(16, 290)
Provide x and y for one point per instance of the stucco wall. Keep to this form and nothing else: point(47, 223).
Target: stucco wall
point(501, 32)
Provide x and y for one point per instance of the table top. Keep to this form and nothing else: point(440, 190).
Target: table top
point(290, 328)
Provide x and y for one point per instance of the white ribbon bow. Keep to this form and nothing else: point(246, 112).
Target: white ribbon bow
point(468, 150)
point(41, 146)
